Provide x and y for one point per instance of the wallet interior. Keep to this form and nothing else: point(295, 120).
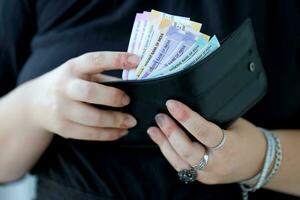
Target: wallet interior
point(221, 87)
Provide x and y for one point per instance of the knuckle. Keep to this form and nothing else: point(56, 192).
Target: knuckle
point(56, 88)
point(107, 119)
point(177, 168)
point(116, 97)
point(186, 154)
point(183, 114)
point(177, 164)
point(119, 120)
point(196, 145)
point(119, 59)
point(162, 143)
point(170, 129)
point(55, 111)
point(95, 57)
point(100, 117)
point(70, 64)
point(113, 120)
point(103, 135)
point(202, 131)
point(56, 107)
point(87, 90)
point(56, 84)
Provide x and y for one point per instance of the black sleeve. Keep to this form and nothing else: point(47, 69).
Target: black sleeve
point(17, 27)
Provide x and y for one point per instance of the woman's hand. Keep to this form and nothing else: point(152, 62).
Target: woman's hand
point(59, 102)
point(240, 158)
point(60, 99)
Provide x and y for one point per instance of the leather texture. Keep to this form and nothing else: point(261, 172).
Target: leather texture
point(222, 87)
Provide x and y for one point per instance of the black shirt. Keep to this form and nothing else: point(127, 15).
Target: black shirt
point(37, 36)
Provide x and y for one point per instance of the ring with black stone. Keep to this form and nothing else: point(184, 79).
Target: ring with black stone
point(187, 175)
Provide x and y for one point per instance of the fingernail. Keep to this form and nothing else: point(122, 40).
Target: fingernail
point(124, 133)
point(159, 118)
point(133, 60)
point(125, 100)
point(171, 105)
point(129, 121)
point(151, 132)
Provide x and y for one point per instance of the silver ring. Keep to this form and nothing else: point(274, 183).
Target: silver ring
point(221, 143)
point(202, 163)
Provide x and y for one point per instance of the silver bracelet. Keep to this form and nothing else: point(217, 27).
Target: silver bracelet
point(278, 159)
point(246, 188)
point(269, 158)
point(262, 178)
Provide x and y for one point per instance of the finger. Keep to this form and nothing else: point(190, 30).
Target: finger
point(189, 151)
point(167, 150)
point(206, 132)
point(91, 92)
point(90, 116)
point(97, 62)
point(72, 130)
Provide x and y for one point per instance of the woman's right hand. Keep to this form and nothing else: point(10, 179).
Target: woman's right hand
point(60, 101)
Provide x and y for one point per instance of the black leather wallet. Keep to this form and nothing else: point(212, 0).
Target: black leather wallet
point(222, 87)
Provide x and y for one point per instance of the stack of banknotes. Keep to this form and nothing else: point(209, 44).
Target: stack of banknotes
point(166, 44)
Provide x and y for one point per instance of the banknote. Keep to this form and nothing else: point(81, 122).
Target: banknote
point(141, 26)
point(184, 45)
point(143, 23)
point(133, 38)
point(197, 46)
point(158, 26)
point(166, 44)
point(173, 37)
point(153, 21)
point(159, 36)
point(196, 54)
point(156, 40)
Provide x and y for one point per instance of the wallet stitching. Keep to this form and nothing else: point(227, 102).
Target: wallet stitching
point(217, 52)
point(218, 82)
point(233, 96)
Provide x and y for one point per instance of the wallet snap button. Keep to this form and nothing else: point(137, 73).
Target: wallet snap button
point(251, 66)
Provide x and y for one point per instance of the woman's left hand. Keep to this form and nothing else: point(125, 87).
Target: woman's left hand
point(240, 158)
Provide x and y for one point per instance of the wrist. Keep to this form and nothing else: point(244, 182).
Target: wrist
point(24, 100)
point(19, 134)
